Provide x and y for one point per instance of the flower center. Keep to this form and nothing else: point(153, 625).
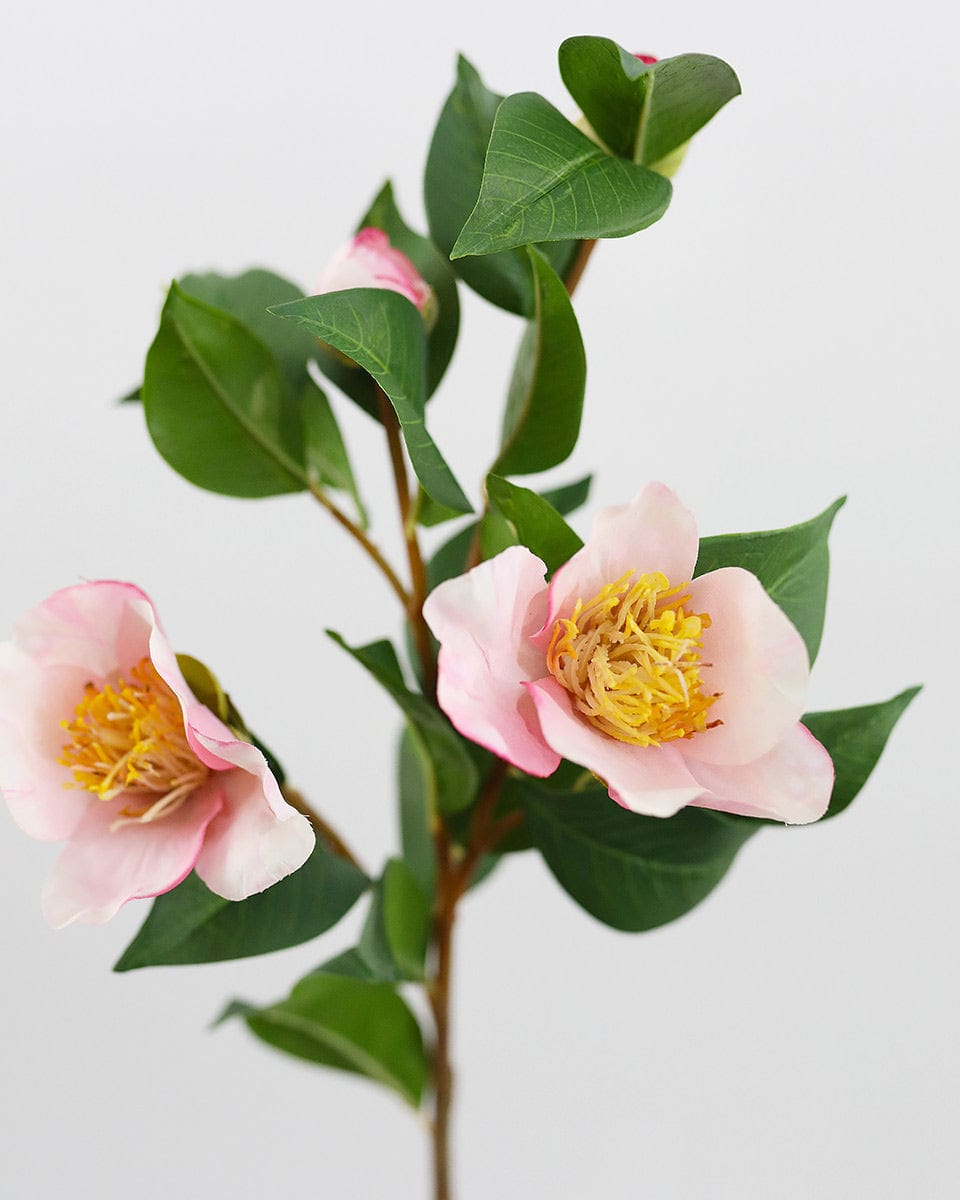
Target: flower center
point(630, 658)
point(130, 739)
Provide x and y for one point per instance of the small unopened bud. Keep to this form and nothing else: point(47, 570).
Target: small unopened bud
point(368, 260)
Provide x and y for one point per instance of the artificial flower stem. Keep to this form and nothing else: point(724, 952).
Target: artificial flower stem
point(438, 992)
point(297, 800)
point(358, 535)
point(418, 571)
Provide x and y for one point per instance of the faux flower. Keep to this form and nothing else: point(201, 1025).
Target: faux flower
point(103, 744)
point(671, 690)
point(369, 261)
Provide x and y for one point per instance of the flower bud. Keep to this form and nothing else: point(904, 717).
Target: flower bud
point(369, 261)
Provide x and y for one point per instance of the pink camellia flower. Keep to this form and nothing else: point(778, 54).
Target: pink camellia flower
point(103, 744)
point(369, 261)
point(671, 691)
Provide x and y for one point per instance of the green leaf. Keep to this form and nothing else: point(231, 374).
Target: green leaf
point(454, 771)
point(204, 685)
point(191, 924)
point(217, 406)
point(545, 402)
point(496, 534)
point(539, 526)
point(351, 964)
point(383, 333)
point(452, 183)
point(416, 791)
point(629, 871)
point(570, 496)
point(793, 564)
point(544, 181)
point(349, 1024)
point(854, 739)
point(247, 298)
point(325, 455)
point(643, 111)
point(397, 931)
point(132, 397)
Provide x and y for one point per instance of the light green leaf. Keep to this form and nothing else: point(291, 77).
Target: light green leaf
point(544, 181)
point(539, 526)
point(416, 791)
point(397, 930)
point(325, 454)
point(383, 333)
point(793, 564)
point(451, 186)
point(644, 112)
point(542, 420)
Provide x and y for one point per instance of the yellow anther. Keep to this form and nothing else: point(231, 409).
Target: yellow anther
point(630, 658)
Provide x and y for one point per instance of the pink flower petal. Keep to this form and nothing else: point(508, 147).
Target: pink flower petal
point(99, 870)
point(249, 847)
point(484, 621)
point(759, 665)
point(791, 783)
point(654, 532)
point(647, 779)
point(368, 260)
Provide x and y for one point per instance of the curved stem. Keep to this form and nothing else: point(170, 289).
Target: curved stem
point(297, 800)
point(358, 535)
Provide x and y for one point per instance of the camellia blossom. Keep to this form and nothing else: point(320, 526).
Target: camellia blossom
point(103, 744)
point(369, 261)
point(671, 690)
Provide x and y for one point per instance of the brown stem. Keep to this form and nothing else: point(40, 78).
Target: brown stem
point(439, 994)
point(297, 800)
point(418, 571)
point(357, 533)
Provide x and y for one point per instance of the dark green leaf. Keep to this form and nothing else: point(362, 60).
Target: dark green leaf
point(793, 564)
point(854, 739)
point(544, 180)
point(496, 534)
point(451, 186)
point(454, 770)
point(542, 420)
point(191, 924)
point(204, 685)
point(383, 332)
point(397, 931)
point(630, 871)
point(570, 496)
point(351, 964)
point(643, 111)
point(416, 788)
point(349, 1024)
point(539, 526)
point(325, 455)
point(132, 397)
point(217, 406)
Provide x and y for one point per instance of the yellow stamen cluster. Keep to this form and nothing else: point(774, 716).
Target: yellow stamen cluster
point(129, 739)
point(630, 658)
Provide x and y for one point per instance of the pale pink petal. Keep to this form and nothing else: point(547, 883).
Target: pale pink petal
point(654, 532)
point(792, 782)
point(653, 780)
point(368, 260)
point(99, 870)
point(248, 847)
point(759, 665)
point(483, 621)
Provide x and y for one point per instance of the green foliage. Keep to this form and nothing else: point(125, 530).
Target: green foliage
point(854, 739)
point(455, 776)
point(545, 402)
point(538, 525)
point(416, 794)
point(397, 930)
point(349, 1024)
point(644, 112)
point(569, 496)
point(191, 924)
point(630, 871)
point(452, 183)
point(436, 270)
point(383, 332)
point(793, 564)
point(545, 181)
point(324, 453)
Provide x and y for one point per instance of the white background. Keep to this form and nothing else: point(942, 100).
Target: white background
point(787, 333)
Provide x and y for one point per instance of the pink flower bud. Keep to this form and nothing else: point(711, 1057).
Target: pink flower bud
point(369, 261)
point(647, 58)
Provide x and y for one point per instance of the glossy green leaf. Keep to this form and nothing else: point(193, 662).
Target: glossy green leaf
point(630, 871)
point(496, 534)
point(383, 332)
point(544, 180)
point(324, 452)
point(217, 406)
point(452, 183)
point(545, 402)
point(569, 496)
point(643, 111)
point(854, 739)
point(539, 526)
point(191, 924)
point(454, 770)
point(416, 793)
point(397, 931)
point(793, 564)
point(349, 1024)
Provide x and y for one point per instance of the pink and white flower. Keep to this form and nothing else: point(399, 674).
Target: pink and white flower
point(672, 690)
point(369, 261)
point(103, 744)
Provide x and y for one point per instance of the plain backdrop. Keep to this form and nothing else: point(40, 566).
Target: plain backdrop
point(787, 333)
